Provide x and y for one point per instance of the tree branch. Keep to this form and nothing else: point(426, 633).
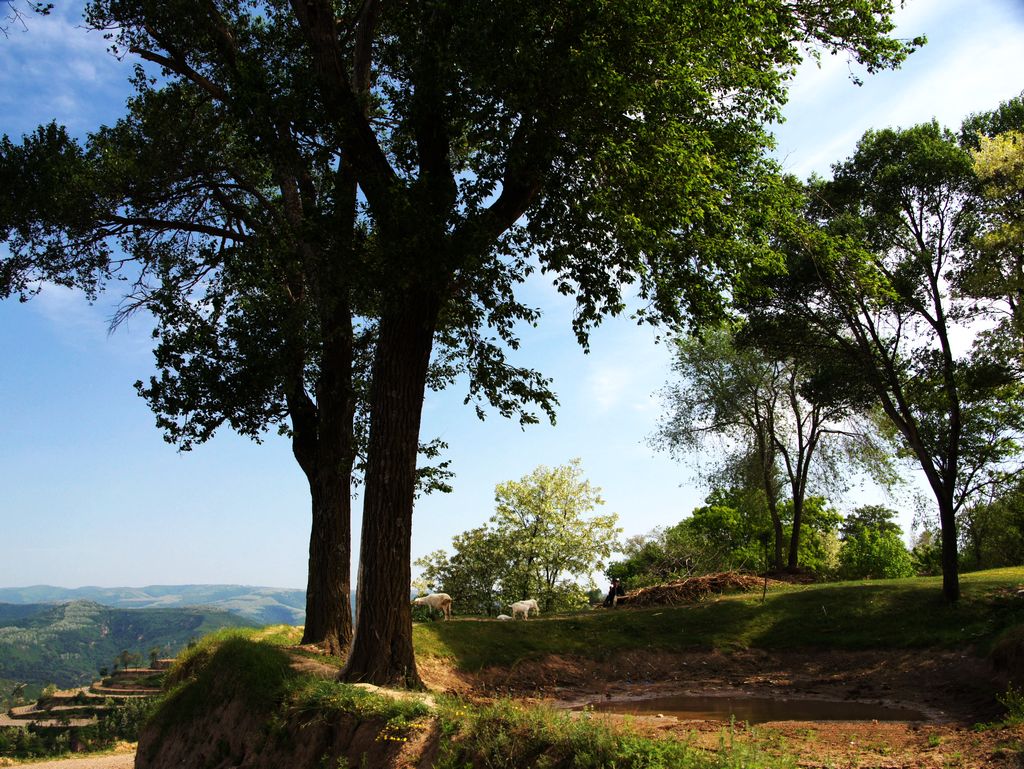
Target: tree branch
point(178, 65)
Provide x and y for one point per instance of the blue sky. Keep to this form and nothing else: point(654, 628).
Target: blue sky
point(91, 495)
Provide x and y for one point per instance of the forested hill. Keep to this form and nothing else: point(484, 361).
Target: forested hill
point(67, 644)
point(262, 605)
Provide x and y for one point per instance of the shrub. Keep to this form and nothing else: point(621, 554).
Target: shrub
point(874, 554)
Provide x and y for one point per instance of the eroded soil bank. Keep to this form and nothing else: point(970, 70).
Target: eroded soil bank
point(955, 690)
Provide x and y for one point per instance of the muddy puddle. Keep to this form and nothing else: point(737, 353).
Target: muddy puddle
point(755, 710)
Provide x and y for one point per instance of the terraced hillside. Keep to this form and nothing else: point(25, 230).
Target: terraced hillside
point(68, 644)
point(87, 718)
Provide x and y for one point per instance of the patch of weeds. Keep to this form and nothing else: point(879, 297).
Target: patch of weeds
point(1013, 701)
point(395, 731)
point(320, 697)
point(934, 740)
point(736, 754)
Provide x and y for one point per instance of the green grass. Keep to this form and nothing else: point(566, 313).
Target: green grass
point(884, 614)
point(505, 735)
point(250, 665)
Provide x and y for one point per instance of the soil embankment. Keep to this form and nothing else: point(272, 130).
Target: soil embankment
point(954, 690)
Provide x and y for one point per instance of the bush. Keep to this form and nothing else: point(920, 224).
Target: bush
point(874, 554)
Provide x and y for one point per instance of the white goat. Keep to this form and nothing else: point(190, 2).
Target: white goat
point(503, 617)
point(523, 607)
point(441, 601)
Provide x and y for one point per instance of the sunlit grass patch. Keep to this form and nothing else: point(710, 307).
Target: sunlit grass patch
point(310, 695)
point(506, 735)
point(877, 614)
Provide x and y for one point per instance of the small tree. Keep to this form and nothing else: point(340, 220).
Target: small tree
point(926, 553)
point(872, 546)
point(819, 545)
point(540, 540)
point(127, 659)
point(992, 531)
point(874, 554)
point(540, 521)
point(473, 572)
point(727, 532)
point(779, 431)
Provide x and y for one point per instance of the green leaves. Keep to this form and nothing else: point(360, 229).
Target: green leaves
point(52, 197)
point(872, 287)
point(542, 538)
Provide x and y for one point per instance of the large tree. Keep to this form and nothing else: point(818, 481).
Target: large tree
point(258, 326)
point(869, 295)
point(611, 142)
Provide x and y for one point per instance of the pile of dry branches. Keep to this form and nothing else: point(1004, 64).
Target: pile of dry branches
point(692, 589)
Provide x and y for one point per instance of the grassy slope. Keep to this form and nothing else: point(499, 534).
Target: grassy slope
point(908, 613)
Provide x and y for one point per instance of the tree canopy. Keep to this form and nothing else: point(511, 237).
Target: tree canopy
point(870, 292)
point(411, 163)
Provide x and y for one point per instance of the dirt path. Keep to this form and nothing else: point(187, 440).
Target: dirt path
point(121, 760)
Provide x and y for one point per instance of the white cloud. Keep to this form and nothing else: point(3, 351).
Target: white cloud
point(71, 316)
point(970, 64)
point(608, 384)
point(83, 326)
point(56, 69)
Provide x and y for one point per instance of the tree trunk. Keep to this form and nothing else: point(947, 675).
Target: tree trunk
point(323, 444)
point(328, 587)
point(794, 538)
point(382, 651)
point(777, 532)
point(950, 558)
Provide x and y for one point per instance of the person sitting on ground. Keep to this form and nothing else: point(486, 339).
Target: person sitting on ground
point(614, 591)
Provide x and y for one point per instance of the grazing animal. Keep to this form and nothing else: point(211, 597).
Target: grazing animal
point(523, 607)
point(441, 601)
point(503, 617)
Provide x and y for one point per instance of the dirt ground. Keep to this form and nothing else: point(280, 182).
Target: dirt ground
point(121, 758)
point(955, 691)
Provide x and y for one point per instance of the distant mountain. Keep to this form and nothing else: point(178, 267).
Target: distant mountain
point(68, 643)
point(262, 605)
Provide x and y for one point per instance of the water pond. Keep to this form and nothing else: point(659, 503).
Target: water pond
point(756, 710)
